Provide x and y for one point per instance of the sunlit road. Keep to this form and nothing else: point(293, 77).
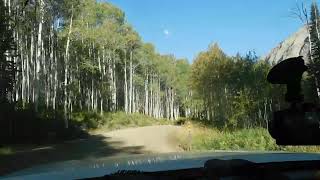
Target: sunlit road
point(157, 139)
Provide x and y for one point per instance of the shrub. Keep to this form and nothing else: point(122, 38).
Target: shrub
point(181, 121)
point(88, 120)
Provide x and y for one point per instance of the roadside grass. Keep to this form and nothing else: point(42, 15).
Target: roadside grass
point(199, 137)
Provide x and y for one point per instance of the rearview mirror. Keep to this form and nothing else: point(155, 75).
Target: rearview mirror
point(299, 124)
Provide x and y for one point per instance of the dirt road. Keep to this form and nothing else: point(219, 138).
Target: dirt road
point(157, 139)
point(141, 140)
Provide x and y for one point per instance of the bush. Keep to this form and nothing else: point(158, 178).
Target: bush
point(88, 120)
point(246, 139)
point(181, 121)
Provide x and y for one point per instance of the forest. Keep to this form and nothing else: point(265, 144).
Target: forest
point(61, 61)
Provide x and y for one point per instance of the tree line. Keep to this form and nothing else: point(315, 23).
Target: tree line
point(231, 92)
point(84, 56)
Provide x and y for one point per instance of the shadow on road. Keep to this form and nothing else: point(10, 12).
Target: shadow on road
point(94, 146)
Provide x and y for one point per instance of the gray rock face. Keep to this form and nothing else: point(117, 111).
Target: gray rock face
point(296, 45)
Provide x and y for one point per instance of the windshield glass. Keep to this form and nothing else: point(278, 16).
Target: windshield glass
point(89, 79)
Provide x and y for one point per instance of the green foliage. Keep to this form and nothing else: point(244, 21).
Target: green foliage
point(88, 120)
point(181, 121)
point(232, 92)
point(245, 139)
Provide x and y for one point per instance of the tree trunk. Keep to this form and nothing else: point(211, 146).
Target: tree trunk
point(39, 52)
point(130, 83)
point(114, 85)
point(66, 71)
point(146, 92)
point(151, 97)
point(125, 86)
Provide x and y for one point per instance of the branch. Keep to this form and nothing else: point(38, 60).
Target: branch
point(300, 12)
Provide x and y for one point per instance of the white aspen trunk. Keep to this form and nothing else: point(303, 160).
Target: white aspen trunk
point(92, 94)
point(146, 92)
point(43, 69)
point(99, 64)
point(133, 100)
point(159, 99)
point(52, 62)
point(79, 84)
point(23, 73)
point(130, 83)
point(17, 84)
point(103, 75)
point(39, 53)
point(103, 62)
point(9, 6)
point(171, 104)
point(125, 86)
point(27, 74)
point(110, 79)
point(151, 97)
point(114, 85)
point(69, 105)
point(101, 103)
point(66, 71)
point(55, 78)
point(96, 101)
point(155, 112)
point(101, 78)
point(168, 103)
point(33, 67)
point(55, 84)
point(137, 101)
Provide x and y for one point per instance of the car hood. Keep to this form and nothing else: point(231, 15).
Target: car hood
point(77, 169)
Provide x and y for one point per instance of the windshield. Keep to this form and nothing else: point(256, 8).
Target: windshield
point(91, 79)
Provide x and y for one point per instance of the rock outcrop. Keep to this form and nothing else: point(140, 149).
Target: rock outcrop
point(295, 45)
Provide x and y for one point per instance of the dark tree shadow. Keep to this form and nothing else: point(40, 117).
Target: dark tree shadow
point(95, 146)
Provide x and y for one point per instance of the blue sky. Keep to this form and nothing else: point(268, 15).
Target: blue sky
point(186, 27)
